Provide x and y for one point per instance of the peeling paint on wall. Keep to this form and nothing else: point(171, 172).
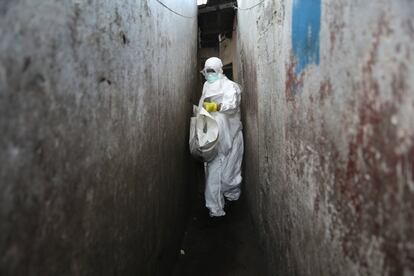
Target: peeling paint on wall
point(330, 170)
point(306, 24)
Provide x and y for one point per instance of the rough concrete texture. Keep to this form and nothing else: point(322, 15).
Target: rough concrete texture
point(329, 161)
point(94, 108)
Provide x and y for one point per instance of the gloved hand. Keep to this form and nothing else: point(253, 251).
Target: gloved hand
point(211, 107)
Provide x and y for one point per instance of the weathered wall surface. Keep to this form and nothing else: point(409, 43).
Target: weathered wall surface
point(94, 106)
point(328, 105)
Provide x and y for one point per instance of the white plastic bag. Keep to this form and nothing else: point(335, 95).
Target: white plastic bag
point(203, 135)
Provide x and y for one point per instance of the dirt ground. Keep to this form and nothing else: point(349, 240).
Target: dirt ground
point(225, 246)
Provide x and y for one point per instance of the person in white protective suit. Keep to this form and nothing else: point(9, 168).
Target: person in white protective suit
point(221, 97)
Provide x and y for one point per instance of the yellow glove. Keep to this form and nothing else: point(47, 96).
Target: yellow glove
point(210, 107)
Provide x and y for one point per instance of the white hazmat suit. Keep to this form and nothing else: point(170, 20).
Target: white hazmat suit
point(223, 173)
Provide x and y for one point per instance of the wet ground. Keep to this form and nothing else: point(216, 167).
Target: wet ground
point(225, 246)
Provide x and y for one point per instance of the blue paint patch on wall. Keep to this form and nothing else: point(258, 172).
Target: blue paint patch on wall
point(306, 25)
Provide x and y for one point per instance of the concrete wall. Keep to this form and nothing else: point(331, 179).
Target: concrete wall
point(328, 105)
point(225, 50)
point(94, 108)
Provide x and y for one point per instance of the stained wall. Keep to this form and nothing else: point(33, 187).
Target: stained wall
point(328, 104)
point(94, 107)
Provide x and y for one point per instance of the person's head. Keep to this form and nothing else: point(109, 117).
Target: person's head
point(213, 69)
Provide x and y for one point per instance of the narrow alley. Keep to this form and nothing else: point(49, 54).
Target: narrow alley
point(99, 175)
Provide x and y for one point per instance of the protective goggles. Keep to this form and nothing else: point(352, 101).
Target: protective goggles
point(206, 71)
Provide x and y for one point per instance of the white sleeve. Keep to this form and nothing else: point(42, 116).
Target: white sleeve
point(231, 100)
point(201, 101)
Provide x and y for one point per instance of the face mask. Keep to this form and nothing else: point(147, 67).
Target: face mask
point(212, 77)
